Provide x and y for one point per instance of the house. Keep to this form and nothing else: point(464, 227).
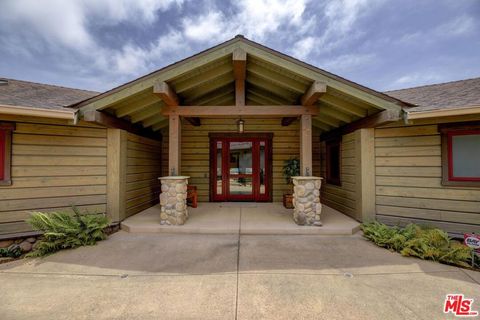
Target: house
point(228, 118)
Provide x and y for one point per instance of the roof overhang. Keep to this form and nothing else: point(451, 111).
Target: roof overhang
point(267, 79)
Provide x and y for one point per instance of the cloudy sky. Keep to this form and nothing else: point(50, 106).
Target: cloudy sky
point(99, 44)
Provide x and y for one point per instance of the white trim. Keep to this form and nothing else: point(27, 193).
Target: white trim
point(37, 112)
point(443, 113)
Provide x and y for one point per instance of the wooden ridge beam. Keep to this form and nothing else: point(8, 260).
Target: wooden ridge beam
point(104, 119)
point(375, 120)
point(286, 121)
point(222, 111)
point(314, 92)
point(239, 57)
point(166, 93)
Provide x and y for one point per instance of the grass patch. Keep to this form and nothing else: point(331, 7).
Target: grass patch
point(421, 242)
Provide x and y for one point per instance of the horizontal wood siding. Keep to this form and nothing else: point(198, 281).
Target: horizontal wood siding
point(54, 166)
point(144, 167)
point(408, 182)
point(342, 198)
point(195, 149)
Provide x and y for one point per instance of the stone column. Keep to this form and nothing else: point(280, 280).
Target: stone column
point(173, 200)
point(306, 200)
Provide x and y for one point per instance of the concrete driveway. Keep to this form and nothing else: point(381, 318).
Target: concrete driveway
point(181, 276)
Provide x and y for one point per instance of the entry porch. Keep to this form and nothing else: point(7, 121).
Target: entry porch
point(242, 218)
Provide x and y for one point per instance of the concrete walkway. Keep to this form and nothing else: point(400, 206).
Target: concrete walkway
point(246, 218)
point(181, 276)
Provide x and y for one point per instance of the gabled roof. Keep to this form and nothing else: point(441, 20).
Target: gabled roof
point(37, 95)
point(441, 96)
point(272, 78)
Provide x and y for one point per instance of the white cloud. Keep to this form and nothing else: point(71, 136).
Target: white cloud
point(302, 48)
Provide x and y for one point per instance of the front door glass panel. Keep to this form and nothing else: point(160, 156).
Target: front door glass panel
point(240, 169)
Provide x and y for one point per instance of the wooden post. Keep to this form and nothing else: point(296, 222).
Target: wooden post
point(116, 173)
point(306, 145)
point(174, 137)
point(365, 174)
point(239, 58)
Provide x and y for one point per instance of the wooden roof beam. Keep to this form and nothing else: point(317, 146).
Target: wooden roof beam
point(239, 57)
point(166, 93)
point(130, 109)
point(222, 111)
point(375, 120)
point(109, 121)
point(314, 92)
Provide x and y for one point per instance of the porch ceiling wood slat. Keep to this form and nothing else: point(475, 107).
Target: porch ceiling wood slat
point(273, 88)
point(152, 120)
point(144, 114)
point(319, 124)
point(267, 99)
point(202, 78)
point(277, 78)
point(109, 121)
point(194, 121)
point(210, 96)
point(326, 110)
point(256, 100)
point(330, 120)
point(222, 111)
point(207, 87)
point(160, 125)
point(130, 109)
point(258, 91)
point(338, 103)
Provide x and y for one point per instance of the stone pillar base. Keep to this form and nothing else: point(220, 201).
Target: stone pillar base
point(173, 200)
point(306, 201)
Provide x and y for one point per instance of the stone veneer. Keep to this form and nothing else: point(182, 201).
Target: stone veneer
point(173, 200)
point(306, 200)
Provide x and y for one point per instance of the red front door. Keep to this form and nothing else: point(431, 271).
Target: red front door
point(240, 168)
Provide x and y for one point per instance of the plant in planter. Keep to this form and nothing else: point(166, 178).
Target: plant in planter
point(291, 168)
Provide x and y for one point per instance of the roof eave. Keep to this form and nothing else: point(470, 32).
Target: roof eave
point(469, 110)
point(38, 112)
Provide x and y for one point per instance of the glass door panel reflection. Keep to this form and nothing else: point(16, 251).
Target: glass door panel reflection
point(219, 168)
point(240, 168)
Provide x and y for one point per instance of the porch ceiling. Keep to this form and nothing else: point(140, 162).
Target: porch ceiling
point(208, 79)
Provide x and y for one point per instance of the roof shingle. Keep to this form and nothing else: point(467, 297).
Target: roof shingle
point(38, 95)
point(449, 95)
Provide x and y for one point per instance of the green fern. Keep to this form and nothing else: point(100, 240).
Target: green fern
point(422, 242)
point(62, 230)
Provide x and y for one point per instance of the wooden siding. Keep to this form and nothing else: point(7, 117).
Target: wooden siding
point(54, 166)
point(342, 198)
point(144, 167)
point(195, 149)
point(408, 182)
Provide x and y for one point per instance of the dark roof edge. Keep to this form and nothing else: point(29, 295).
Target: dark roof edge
point(430, 85)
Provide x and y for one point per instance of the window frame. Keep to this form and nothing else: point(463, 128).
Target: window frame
point(8, 128)
point(337, 181)
point(448, 131)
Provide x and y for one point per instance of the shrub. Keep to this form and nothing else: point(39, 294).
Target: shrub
point(422, 242)
point(11, 252)
point(61, 230)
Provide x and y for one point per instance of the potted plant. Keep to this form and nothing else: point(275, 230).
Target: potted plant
point(291, 168)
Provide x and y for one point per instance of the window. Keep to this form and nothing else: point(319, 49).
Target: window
point(333, 161)
point(5, 152)
point(461, 155)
